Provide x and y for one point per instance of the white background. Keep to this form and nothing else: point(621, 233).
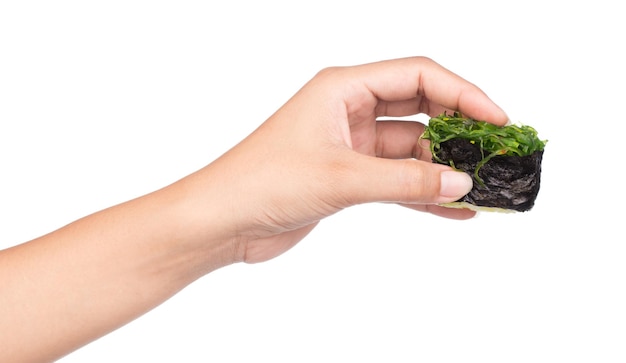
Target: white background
point(101, 102)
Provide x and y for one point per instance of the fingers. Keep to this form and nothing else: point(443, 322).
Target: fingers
point(450, 213)
point(400, 140)
point(407, 181)
point(419, 85)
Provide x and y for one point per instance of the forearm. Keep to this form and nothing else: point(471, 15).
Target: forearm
point(323, 151)
point(69, 287)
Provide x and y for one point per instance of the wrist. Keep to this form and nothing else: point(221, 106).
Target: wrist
point(195, 235)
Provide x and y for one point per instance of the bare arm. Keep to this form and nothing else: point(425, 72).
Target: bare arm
point(69, 287)
point(321, 152)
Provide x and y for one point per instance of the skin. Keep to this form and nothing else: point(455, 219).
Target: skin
point(321, 152)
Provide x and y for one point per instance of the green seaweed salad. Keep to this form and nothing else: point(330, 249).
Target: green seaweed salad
point(509, 140)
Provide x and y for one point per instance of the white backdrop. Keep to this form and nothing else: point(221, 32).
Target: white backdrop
point(101, 102)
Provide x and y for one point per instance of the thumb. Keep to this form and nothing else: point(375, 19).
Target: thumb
point(407, 181)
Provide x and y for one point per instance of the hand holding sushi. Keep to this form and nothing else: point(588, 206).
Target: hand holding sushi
point(323, 151)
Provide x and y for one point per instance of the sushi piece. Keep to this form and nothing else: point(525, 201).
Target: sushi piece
point(504, 162)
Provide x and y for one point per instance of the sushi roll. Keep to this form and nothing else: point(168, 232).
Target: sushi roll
point(504, 162)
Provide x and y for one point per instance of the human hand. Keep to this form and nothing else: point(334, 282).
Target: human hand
point(324, 151)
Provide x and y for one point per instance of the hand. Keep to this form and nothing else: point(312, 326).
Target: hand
point(324, 150)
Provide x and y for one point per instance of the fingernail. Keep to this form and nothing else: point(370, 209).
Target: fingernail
point(455, 184)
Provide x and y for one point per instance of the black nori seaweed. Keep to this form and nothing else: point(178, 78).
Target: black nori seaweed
point(510, 182)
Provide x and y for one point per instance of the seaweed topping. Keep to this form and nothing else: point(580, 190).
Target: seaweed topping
point(492, 140)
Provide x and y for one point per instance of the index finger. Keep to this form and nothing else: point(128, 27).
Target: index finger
point(427, 86)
